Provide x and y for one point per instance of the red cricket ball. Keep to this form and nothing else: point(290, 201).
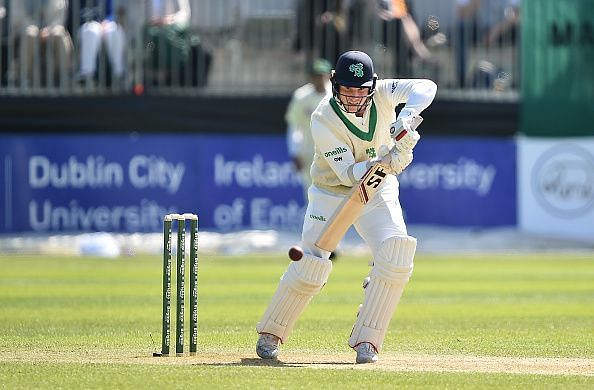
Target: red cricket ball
point(138, 89)
point(295, 253)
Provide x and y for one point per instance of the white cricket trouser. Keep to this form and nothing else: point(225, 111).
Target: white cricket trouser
point(91, 34)
point(381, 218)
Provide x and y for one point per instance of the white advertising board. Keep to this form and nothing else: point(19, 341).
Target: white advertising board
point(556, 186)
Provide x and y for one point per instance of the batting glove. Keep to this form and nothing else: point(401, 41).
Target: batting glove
point(404, 133)
point(396, 161)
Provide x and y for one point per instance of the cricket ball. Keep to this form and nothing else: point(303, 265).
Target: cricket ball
point(138, 89)
point(295, 253)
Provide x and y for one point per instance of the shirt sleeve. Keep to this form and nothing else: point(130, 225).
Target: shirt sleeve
point(417, 94)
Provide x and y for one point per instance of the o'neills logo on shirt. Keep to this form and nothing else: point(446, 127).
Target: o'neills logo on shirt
point(335, 152)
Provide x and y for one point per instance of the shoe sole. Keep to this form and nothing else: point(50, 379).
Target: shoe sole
point(268, 357)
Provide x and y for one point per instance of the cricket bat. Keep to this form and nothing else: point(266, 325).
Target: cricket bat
point(350, 208)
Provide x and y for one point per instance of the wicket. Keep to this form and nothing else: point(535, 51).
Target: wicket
point(180, 279)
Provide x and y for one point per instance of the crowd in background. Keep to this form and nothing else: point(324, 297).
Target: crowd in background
point(227, 46)
point(60, 43)
point(415, 32)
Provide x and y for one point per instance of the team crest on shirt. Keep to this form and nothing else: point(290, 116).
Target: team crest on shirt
point(357, 69)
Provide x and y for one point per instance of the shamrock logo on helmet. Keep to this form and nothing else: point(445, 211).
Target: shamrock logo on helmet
point(357, 69)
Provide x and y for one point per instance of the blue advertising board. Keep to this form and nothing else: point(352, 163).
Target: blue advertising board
point(461, 182)
point(126, 183)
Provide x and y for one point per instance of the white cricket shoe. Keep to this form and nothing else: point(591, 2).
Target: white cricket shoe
point(366, 353)
point(267, 346)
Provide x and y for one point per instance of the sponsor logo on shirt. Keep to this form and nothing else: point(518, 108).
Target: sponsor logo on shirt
point(335, 152)
point(318, 217)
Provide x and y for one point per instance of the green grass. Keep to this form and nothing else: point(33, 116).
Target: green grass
point(85, 322)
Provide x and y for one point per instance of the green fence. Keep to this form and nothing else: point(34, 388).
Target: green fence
point(557, 68)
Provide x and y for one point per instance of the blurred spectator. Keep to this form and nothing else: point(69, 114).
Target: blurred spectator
point(3, 29)
point(44, 44)
point(467, 34)
point(321, 28)
point(167, 40)
point(507, 25)
point(398, 31)
point(402, 31)
point(219, 24)
point(3, 43)
point(483, 22)
point(99, 25)
point(507, 31)
point(298, 116)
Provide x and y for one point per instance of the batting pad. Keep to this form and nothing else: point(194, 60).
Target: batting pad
point(302, 280)
point(393, 266)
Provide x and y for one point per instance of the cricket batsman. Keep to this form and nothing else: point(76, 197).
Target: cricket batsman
point(355, 130)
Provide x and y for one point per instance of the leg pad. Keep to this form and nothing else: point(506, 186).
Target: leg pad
point(393, 266)
point(302, 280)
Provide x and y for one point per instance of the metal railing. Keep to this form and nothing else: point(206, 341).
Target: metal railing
point(254, 47)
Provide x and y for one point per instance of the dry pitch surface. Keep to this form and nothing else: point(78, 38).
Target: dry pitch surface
point(388, 362)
